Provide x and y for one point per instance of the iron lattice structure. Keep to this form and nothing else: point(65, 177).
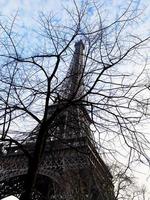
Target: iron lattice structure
point(71, 168)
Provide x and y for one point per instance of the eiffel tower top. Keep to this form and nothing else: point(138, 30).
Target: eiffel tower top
point(73, 87)
point(79, 44)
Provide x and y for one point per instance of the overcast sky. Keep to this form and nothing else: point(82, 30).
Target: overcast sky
point(28, 10)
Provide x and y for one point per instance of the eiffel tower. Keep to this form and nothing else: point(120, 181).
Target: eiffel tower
point(71, 168)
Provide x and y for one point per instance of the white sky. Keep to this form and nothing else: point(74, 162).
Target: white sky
point(10, 198)
point(29, 9)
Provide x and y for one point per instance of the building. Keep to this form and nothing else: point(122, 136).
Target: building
point(71, 168)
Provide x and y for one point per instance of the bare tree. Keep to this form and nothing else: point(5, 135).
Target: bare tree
point(126, 186)
point(32, 81)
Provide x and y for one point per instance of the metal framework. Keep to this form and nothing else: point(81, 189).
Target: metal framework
point(71, 168)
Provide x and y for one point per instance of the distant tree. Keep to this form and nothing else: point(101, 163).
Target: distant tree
point(117, 101)
point(126, 187)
